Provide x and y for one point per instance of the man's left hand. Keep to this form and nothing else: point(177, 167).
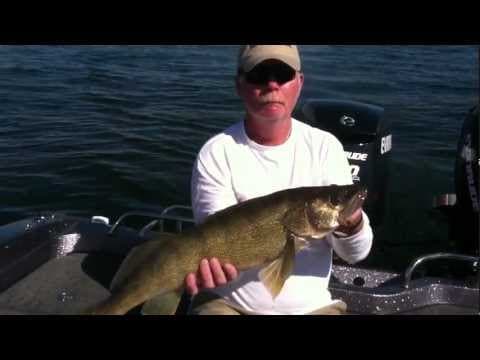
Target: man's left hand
point(352, 225)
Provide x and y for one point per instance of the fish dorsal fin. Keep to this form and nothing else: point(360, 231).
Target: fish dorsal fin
point(296, 221)
point(163, 304)
point(276, 273)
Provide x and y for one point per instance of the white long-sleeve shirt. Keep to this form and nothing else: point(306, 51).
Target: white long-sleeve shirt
point(231, 168)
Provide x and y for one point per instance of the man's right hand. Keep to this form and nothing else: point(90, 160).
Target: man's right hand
point(210, 274)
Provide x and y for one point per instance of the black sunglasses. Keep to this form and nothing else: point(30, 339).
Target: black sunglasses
point(263, 73)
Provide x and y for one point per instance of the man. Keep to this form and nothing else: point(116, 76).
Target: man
point(268, 152)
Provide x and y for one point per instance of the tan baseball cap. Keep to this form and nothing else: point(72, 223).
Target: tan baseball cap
point(252, 55)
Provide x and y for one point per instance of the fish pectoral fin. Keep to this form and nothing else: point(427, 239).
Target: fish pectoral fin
point(276, 273)
point(301, 243)
point(163, 304)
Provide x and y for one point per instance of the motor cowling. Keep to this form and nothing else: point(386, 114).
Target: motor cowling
point(467, 164)
point(466, 222)
point(367, 140)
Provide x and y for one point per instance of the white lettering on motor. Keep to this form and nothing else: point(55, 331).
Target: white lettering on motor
point(356, 156)
point(355, 169)
point(386, 145)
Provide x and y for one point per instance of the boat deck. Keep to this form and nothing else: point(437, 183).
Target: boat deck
point(65, 265)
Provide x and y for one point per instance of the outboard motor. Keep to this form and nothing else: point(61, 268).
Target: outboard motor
point(461, 209)
point(465, 231)
point(367, 140)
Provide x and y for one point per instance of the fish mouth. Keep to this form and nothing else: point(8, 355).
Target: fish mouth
point(354, 203)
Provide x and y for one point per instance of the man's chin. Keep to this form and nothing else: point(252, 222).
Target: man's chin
point(273, 114)
point(273, 107)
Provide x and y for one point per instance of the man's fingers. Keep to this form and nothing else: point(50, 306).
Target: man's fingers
point(205, 275)
point(191, 284)
point(230, 271)
point(219, 277)
point(210, 274)
point(352, 219)
point(356, 217)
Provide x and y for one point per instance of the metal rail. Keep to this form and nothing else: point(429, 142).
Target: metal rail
point(417, 262)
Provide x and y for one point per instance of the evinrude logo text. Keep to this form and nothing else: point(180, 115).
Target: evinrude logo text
point(356, 156)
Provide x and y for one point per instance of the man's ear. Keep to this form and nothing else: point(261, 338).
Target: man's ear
point(301, 79)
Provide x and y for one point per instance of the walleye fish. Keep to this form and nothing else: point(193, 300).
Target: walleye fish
point(264, 232)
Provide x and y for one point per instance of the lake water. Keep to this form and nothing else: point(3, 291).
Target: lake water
point(108, 129)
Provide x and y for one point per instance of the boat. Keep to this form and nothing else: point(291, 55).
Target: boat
point(62, 263)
